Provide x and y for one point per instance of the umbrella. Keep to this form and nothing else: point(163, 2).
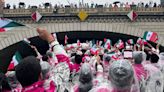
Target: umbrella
point(116, 2)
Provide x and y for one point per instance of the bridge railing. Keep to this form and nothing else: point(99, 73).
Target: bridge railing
point(103, 10)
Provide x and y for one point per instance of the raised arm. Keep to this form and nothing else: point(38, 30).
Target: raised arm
point(54, 45)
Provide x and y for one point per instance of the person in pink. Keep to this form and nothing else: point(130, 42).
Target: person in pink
point(85, 79)
point(138, 67)
point(121, 79)
point(58, 51)
point(28, 73)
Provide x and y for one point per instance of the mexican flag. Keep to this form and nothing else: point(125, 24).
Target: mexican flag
point(150, 36)
point(15, 60)
point(65, 39)
point(94, 50)
point(132, 15)
point(145, 42)
point(36, 16)
point(108, 44)
point(130, 41)
point(120, 44)
point(7, 24)
point(78, 43)
point(139, 41)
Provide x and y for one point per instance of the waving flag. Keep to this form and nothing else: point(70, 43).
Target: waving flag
point(65, 39)
point(130, 41)
point(78, 43)
point(15, 60)
point(107, 44)
point(94, 50)
point(139, 41)
point(7, 24)
point(120, 44)
point(36, 16)
point(150, 36)
point(132, 15)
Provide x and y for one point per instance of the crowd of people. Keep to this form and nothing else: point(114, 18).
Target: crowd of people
point(88, 67)
point(86, 5)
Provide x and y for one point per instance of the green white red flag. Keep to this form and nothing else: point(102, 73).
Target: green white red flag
point(150, 36)
point(130, 41)
point(120, 44)
point(36, 16)
point(7, 24)
point(15, 61)
point(65, 39)
point(132, 15)
point(108, 44)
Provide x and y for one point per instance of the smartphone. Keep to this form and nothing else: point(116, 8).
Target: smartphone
point(128, 54)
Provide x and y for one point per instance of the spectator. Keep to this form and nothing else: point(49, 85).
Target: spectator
point(4, 85)
point(28, 74)
point(146, 6)
point(85, 79)
point(138, 68)
point(14, 84)
point(155, 77)
point(122, 77)
point(154, 58)
point(155, 5)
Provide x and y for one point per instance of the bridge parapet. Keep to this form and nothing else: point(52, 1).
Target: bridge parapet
point(91, 11)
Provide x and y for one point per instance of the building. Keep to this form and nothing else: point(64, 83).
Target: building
point(2, 3)
point(162, 3)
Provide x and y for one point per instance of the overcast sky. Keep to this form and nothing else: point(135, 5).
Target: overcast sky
point(37, 2)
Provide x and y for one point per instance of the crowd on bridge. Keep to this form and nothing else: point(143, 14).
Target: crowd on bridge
point(85, 5)
point(88, 67)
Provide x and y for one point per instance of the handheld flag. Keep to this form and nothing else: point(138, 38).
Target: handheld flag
point(108, 44)
point(132, 15)
point(36, 16)
point(65, 39)
point(7, 24)
point(130, 41)
point(78, 43)
point(139, 41)
point(150, 36)
point(120, 44)
point(15, 60)
point(94, 50)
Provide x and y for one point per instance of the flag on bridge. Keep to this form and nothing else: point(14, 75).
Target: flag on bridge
point(15, 60)
point(36, 16)
point(132, 15)
point(150, 36)
point(7, 24)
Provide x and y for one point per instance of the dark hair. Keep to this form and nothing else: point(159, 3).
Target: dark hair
point(106, 51)
point(4, 85)
point(78, 59)
point(138, 58)
point(45, 58)
point(107, 58)
point(28, 71)
point(154, 58)
point(85, 87)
